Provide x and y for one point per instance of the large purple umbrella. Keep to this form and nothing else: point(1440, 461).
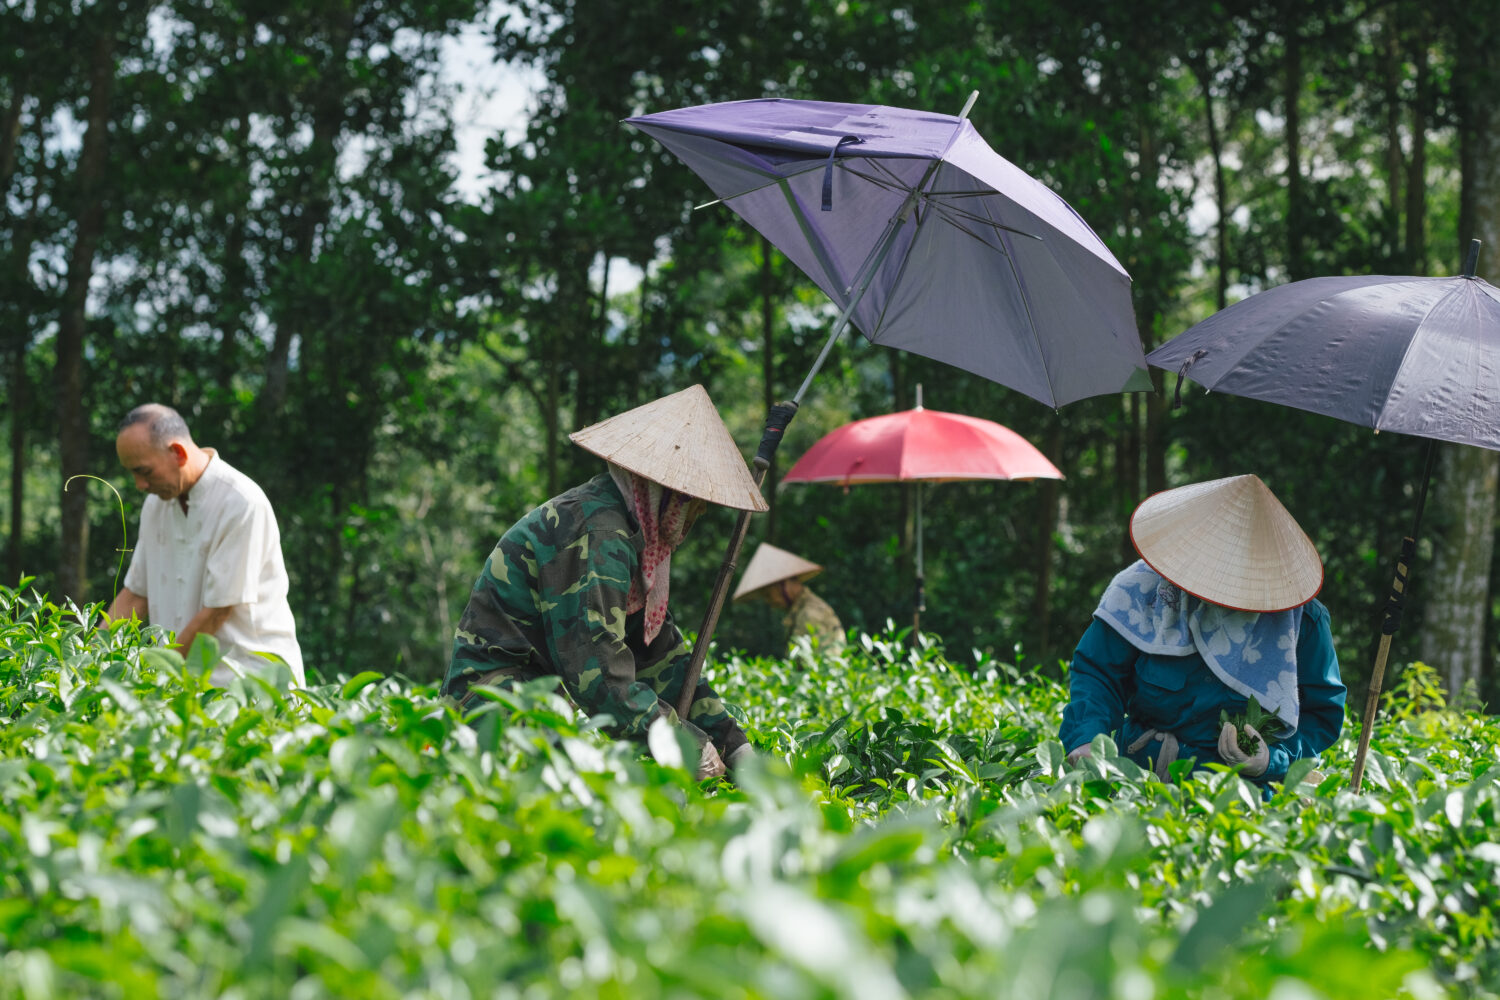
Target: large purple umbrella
point(926, 239)
point(1411, 354)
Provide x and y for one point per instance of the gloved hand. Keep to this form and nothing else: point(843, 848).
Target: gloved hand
point(709, 765)
point(1078, 753)
point(739, 755)
point(1251, 765)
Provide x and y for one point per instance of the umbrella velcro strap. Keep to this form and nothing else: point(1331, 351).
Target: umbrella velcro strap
point(1182, 374)
point(1390, 621)
point(776, 420)
point(847, 140)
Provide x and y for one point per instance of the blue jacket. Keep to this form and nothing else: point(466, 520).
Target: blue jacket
point(1116, 689)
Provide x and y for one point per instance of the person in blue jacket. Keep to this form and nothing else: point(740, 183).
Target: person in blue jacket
point(1219, 608)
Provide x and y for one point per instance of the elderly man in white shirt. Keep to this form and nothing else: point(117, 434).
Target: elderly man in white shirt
point(207, 558)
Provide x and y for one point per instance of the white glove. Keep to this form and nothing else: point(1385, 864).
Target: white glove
point(1078, 753)
point(739, 755)
point(709, 765)
point(1252, 765)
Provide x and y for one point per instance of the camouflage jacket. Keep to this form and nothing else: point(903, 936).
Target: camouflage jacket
point(551, 600)
point(811, 615)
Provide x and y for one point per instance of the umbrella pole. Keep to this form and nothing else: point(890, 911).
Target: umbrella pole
point(776, 422)
point(1391, 622)
point(781, 414)
point(916, 618)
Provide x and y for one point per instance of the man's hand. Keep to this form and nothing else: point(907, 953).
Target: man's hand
point(1252, 765)
point(206, 622)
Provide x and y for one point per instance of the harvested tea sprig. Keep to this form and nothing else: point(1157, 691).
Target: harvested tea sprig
point(1271, 728)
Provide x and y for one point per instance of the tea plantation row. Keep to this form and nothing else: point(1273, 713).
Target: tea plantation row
point(912, 833)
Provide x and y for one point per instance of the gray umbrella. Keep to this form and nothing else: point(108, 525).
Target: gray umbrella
point(1415, 355)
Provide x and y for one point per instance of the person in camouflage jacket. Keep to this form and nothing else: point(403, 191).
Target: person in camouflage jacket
point(555, 598)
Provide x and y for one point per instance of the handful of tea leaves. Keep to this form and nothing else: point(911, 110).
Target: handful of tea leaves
point(1271, 728)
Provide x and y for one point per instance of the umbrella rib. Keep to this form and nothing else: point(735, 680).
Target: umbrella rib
point(947, 209)
point(814, 242)
point(980, 239)
point(1015, 273)
point(900, 272)
point(775, 178)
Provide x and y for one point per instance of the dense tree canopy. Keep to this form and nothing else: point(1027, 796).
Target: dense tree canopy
point(250, 211)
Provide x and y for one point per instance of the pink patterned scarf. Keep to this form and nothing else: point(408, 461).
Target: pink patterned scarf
point(665, 517)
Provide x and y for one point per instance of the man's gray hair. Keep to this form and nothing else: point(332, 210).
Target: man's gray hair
point(164, 424)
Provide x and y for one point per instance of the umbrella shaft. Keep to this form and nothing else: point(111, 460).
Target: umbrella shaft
point(919, 530)
point(715, 604)
point(1372, 702)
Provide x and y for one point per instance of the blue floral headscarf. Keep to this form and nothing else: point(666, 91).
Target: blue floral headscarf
point(1254, 654)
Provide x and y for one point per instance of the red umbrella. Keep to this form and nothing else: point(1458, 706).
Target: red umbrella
point(920, 446)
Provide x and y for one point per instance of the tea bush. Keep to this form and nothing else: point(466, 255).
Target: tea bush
point(912, 832)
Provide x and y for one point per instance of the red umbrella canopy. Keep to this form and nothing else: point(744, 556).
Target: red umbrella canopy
point(921, 444)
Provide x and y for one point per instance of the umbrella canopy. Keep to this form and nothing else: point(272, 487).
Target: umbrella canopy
point(923, 446)
point(928, 445)
point(930, 240)
point(1415, 355)
point(1411, 354)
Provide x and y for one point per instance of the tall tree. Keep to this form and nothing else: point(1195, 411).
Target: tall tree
point(1465, 487)
point(101, 38)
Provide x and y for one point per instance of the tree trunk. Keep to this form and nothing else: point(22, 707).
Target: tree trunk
point(1457, 586)
point(18, 405)
point(320, 175)
point(1216, 150)
point(72, 417)
point(20, 334)
point(1128, 469)
point(1416, 188)
point(768, 364)
point(1152, 437)
point(906, 564)
point(551, 419)
point(236, 269)
point(10, 137)
point(1292, 94)
point(1048, 494)
point(1395, 160)
point(1464, 490)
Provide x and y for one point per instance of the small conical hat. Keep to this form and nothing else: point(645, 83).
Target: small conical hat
point(1230, 542)
point(772, 565)
point(680, 442)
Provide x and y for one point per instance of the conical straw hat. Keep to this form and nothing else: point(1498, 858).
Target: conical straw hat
point(680, 442)
point(772, 565)
point(1230, 542)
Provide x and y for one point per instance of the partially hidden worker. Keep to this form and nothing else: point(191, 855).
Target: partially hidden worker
point(578, 587)
point(779, 578)
point(207, 558)
point(1220, 608)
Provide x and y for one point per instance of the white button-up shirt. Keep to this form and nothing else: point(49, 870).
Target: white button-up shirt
point(225, 552)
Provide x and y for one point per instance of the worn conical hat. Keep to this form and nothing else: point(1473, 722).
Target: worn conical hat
point(680, 442)
point(772, 565)
point(1228, 541)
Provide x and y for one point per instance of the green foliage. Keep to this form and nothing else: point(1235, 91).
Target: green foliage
point(911, 830)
